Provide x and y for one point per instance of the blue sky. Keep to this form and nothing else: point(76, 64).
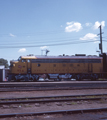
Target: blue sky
point(62, 26)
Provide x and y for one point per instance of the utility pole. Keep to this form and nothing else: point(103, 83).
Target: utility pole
point(100, 45)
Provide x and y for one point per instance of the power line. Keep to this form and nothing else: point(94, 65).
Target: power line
point(35, 42)
point(3, 47)
point(35, 33)
point(49, 38)
point(40, 41)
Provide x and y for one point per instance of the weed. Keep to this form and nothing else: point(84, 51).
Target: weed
point(73, 103)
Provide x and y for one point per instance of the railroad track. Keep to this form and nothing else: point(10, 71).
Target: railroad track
point(51, 86)
point(4, 102)
point(47, 101)
point(54, 112)
point(56, 98)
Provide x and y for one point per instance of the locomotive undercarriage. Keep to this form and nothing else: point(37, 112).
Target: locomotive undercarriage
point(55, 77)
point(24, 77)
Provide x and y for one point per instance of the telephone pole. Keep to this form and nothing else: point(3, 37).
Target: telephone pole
point(100, 45)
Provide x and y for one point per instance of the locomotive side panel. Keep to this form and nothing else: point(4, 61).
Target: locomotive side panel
point(72, 66)
point(56, 67)
point(39, 68)
point(97, 67)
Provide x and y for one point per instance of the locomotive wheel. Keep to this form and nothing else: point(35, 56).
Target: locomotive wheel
point(26, 79)
point(55, 79)
point(78, 78)
point(9, 78)
point(34, 80)
point(93, 79)
point(17, 80)
point(59, 79)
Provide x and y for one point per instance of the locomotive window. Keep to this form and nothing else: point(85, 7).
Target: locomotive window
point(28, 60)
point(38, 65)
point(54, 65)
point(19, 58)
point(23, 60)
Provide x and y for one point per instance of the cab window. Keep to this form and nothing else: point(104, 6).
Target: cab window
point(19, 58)
point(23, 60)
point(28, 60)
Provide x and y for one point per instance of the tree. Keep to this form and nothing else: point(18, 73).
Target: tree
point(4, 62)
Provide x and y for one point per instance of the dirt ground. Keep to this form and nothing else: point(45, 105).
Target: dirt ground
point(40, 107)
point(51, 93)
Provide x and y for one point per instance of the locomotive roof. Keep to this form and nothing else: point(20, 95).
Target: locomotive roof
point(60, 57)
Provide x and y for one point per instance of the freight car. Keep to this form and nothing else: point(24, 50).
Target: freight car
point(57, 67)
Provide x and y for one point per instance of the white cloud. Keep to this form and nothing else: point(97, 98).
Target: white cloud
point(103, 24)
point(89, 36)
point(73, 26)
point(43, 47)
point(22, 50)
point(88, 24)
point(97, 24)
point(11, 35)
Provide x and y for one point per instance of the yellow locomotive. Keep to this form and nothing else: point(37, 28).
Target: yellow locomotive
point(58, 67)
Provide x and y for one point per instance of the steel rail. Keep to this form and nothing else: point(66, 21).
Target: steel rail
point(54, 112)
point(49, 89)
point(57, 96)
point(54, 84)
point(52, 100)
point(36, 89)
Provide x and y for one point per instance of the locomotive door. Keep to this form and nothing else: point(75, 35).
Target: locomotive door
point(28, 66)
point(54, 68)
point(90, 68)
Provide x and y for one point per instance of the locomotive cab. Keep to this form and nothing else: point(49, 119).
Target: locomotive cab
point(16, 69)
point(20, 69)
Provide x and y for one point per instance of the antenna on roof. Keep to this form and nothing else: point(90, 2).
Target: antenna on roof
point(47, 52)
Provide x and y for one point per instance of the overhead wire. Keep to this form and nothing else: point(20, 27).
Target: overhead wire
point(44, 42)
point(28, 41)
point(2, 47)
point(34, 33)
point(35, 42)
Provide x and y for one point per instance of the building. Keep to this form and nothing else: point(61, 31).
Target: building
point(2, 73)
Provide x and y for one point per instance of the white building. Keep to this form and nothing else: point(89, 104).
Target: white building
point(2, 73)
